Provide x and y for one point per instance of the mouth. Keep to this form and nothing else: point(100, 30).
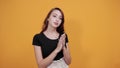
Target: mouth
point(55, 23)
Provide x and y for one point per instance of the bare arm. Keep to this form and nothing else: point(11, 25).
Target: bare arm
point(43, 63)
point(66, 53)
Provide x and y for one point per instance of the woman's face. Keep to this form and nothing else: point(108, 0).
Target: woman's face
point(55, 18)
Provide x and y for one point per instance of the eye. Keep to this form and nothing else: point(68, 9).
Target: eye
point(60, 18)
point(54, 15)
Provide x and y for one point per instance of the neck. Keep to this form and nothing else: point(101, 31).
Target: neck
point(51, 30)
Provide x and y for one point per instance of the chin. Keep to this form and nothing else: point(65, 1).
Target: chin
point(55, 26)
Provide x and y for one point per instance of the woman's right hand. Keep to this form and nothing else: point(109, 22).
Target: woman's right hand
point(61, 43)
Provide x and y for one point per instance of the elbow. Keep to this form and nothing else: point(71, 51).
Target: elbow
point(68, 61)
point(41, 65)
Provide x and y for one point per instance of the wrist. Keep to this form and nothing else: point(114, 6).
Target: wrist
point(56, 51)
point(64, 48)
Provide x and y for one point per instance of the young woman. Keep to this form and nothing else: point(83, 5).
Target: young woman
point(51, 44)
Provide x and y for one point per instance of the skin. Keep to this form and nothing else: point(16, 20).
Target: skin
point(54, 22)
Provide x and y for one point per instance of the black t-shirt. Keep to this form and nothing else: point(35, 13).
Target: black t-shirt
point(47, 45)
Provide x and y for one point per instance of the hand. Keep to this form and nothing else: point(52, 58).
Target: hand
point(61, 43)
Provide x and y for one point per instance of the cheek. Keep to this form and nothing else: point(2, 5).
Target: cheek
point(50, 19)
point(60, 22)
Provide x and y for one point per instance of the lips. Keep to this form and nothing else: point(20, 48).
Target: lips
point(55, 23)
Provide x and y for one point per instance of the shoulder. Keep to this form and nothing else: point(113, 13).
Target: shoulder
point(37, 35)
point(37, 39)
point(66, 38)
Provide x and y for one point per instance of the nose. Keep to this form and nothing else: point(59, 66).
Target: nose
point(57, 20)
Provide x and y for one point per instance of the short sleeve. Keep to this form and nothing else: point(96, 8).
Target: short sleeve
point(36, 40)
point(66, 39)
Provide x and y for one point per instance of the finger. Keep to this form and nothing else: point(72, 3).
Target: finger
point(63, 35)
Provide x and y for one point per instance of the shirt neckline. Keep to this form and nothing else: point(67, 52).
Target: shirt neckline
point(50, 38)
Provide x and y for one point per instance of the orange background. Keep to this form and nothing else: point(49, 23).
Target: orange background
point(93, 28)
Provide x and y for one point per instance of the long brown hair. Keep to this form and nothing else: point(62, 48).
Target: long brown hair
point(60, 29)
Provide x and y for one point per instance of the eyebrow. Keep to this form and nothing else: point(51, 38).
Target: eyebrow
point(57, 14)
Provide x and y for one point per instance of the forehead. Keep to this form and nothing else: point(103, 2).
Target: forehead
point(56, 12)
